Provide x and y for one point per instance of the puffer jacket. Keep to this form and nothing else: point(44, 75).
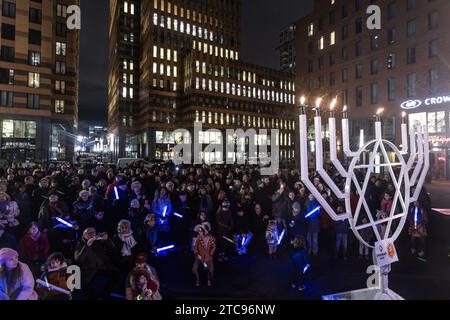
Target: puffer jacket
point(22, 289)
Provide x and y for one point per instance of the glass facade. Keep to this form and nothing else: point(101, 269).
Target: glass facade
point(18, 140)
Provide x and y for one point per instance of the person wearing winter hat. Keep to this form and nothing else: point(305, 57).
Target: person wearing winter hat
point(16, 279)
point(148, 234)
point(204, 249)
point(54, 273)
point(140, 265)
point(125, 244)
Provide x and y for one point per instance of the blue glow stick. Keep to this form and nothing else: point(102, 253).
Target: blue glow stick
point(64, 222)
point(312, 212)
point(165, 248)
point(178, 215)
point(117, 193)
point(243, 241)
point(416, 217)
point(306, 268)
point(164, 212)
point(281, 236)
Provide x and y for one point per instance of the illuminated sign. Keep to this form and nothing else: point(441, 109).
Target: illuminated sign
point(413, 104)
point(439, 140)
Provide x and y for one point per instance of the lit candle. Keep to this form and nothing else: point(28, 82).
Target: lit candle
point(332, 105)
point(302, 105)
point(378, 115)
point(318, 102)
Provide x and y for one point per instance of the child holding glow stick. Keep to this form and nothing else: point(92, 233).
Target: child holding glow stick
point(417, 219)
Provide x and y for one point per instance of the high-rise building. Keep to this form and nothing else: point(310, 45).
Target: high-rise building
point(176, 62)
point(286, 48)
point(402, 67)
point(38, 80)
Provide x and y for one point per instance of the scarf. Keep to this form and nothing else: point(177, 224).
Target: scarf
point(128, 243)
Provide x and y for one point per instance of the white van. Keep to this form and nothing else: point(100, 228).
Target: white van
point(125, 162)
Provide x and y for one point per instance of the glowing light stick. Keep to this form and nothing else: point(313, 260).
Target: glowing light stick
point(51, 287)
point(164, 212)
point(312, 212)
point(306, 268)
point(117, 193)
point(64, 222)
point(281, 236)
point(229, 240)
point(178, 215)
point(243, 241)
point(416, 217)
point(165, 248)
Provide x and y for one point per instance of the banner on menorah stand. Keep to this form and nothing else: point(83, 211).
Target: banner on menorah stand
point(385, 253)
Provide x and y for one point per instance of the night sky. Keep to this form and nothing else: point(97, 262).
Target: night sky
point(261, 23)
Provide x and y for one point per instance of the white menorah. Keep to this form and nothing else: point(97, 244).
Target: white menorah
point(418, 155)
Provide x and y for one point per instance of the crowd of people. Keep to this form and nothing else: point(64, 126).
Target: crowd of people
point(114, 224)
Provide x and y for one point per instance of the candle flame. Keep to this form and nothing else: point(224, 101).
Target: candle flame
point(333, 104)
point(318, 102)
point(380, 111)
point(403, 114)
point(302, 100)
point(345, 108)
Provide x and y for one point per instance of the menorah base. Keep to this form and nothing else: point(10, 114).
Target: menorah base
point(365, 294)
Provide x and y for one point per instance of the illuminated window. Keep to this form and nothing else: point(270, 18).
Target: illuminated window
point(197, 66)
point(333, 38)
point(161, 69)
point(33, 80)
point(131, 93)
point(161, 53)
point(124, 78)
point(124, 92)
point(155, 67)
point(197, 83)
point(204, 84)
point(168, 71)
point(169, 56)
point(131, 79)
point(310, 29)
point(174, 86)
point(132, 9)
point(204, 67)
point(155, 51)
point(61, 48)
point(175, 24)
point(155, 19)
point(131, 65)
point(321, 43)
point(182, 26)
point(125, 7)
point(194, 31)
point(169, 22)
point(188, 28)
point(175, 71)
point(59, 106)
point(175, 56)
